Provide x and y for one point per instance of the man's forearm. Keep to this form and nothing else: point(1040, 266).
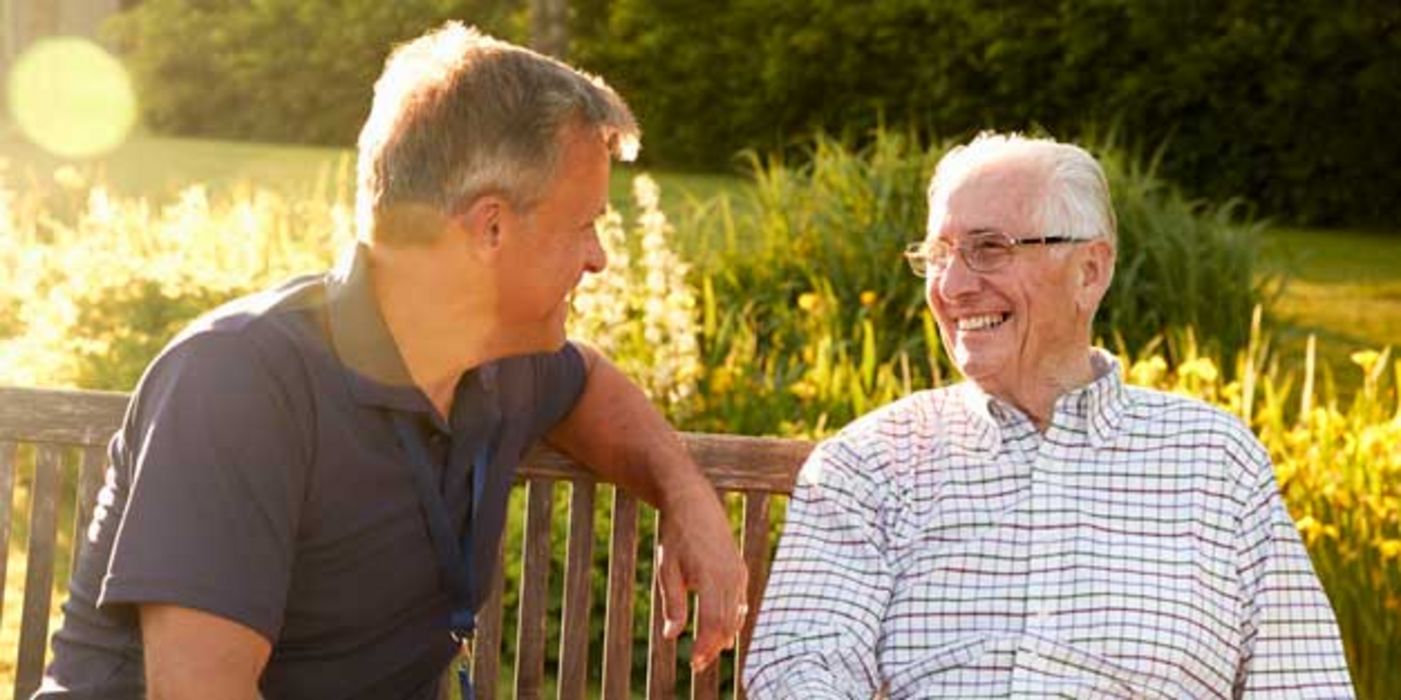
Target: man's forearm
point(616, 432)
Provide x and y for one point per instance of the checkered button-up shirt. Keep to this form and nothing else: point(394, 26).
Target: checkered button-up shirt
point(943, 547)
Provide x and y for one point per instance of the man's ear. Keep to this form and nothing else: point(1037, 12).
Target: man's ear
point(480, 220)
point(1094, 271)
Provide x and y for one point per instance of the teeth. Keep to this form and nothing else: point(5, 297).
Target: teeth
point(975, 323)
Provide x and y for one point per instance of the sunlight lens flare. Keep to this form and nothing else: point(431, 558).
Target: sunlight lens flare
point(72, 98)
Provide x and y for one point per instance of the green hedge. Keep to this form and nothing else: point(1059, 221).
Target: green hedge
point(275, 70)
point(1288, 103)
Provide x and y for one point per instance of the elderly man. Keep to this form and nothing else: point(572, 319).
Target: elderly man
point(1039, 529)
point(307, 495)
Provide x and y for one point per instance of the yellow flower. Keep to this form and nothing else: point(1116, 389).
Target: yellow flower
point(1365, 359)
point(1202, 368)
point(803, 389)
point(721, 380)
point(1148, 372)
point(1390, 549)
point(808, 301)
point(868, 298)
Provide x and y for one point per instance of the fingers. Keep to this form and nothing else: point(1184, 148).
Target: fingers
point(674, 606)
point(698, 553)
point(720, 616)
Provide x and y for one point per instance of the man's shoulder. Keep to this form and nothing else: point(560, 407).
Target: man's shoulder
point(1187, 413)
point(922, 412)
point(887, 436)
point(256, 339)
point(1155, 414)
point(261, 314)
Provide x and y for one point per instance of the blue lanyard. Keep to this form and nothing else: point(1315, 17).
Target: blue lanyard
point(452, 552)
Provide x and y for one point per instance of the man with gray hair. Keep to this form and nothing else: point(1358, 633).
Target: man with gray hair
point(309, 489)
point(1039, 529)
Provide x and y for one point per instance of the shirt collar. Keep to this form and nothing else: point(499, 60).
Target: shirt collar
point(1103, 403)
point(374, 369)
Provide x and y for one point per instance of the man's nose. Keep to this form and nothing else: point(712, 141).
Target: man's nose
point(956, 279)
point(595, 257)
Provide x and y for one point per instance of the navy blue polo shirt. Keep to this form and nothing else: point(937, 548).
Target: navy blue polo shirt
point(258, 476)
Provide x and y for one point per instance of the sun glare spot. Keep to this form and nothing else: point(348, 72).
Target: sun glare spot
point(72, 98)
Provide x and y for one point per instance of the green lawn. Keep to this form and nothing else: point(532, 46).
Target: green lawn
point(159, 166)
point(1343, 286)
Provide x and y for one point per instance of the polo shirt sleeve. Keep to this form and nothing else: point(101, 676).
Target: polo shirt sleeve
point(559, 382)
point(214, 464)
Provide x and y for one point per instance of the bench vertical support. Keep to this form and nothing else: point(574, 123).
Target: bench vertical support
point(39, 573)
point(622, 573)
point(578, 580)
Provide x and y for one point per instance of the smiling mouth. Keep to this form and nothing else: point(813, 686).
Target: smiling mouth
point(983, 322)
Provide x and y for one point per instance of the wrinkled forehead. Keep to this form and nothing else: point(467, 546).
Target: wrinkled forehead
point(1000, 196)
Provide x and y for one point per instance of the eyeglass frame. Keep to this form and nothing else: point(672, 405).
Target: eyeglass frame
point(920, 262)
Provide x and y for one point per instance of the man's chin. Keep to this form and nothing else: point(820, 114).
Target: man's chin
point(978, 368)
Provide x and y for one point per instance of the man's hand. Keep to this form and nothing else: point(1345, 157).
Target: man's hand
point(697, 552)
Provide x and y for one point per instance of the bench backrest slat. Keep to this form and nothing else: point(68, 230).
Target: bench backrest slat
point(8, 453)
point(39, 571)
point(754, 543)
point(50, 424)
point(705, 685)
point(578, 589)
point(661, 652)
point(60, 416)
point(535, 589)
point(486, 662)
point(92, 466)
point(622, 578)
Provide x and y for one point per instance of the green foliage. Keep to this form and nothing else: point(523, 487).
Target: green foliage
point(134, 320)
point(1288, 103)
point(1182, 264)
point(275, 70)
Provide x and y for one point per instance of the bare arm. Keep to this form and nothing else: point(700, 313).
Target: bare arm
point(616, 431)
point(195, 654)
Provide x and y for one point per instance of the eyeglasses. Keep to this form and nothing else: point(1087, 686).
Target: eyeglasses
point(982, 252)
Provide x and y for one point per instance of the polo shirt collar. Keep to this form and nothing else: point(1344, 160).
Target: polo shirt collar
point(373, 367)
point(1103, 402)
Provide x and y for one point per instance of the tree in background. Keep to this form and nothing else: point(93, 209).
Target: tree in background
point(1288, 103)
point(276, 70)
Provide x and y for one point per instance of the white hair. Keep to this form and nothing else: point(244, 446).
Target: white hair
point(1075, 202)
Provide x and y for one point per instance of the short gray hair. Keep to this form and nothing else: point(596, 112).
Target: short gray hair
point(1075, 203)
point(458, 114)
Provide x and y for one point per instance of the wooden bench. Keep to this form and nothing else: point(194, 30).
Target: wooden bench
point(67, 432)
